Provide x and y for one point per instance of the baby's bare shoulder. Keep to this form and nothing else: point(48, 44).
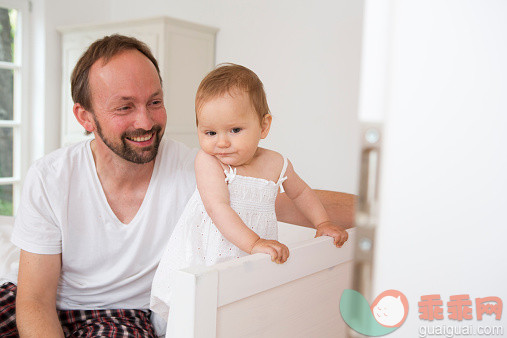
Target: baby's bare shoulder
point(272, 161)
point(271, 155)
point(204, 160)
point(203, 157)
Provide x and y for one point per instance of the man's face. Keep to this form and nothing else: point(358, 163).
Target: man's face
point(128, 106)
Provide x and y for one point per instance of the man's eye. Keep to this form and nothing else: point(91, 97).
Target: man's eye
point(124, 108)
point(156, 102)
point(211, 133)
point(235, 130)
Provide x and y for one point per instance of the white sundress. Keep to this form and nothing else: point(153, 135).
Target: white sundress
point(196, 240)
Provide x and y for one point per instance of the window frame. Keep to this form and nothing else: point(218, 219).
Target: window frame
point(19, 123)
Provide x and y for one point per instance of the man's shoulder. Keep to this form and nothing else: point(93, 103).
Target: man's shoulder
point(62, 159)
point(177, 153)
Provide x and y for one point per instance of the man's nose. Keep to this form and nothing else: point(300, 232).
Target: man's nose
point(223, 141)
point(144, 119)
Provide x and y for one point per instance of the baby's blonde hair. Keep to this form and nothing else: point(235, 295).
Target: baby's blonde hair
point(226, 78)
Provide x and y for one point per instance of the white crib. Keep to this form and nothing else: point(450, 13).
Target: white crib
point(254, 297)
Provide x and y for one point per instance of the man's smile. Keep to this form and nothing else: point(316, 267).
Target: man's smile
point(141, 138)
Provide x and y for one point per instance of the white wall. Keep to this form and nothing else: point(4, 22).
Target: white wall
point(374, 60)
point(308, 56)
point(442, 223)
point(45, 67)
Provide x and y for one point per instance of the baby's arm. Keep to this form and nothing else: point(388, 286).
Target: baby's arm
point(309, 204)
point(215, 197)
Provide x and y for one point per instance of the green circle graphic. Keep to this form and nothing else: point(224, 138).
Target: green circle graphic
point(356, 312)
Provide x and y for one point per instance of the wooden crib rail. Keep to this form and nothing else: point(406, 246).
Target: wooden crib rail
point(220, 300)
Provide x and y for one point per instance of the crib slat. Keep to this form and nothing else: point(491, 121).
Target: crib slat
point(194, 310)
point(308, 307)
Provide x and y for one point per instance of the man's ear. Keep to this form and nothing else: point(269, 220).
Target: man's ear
point(265, 125)
point(84, 117)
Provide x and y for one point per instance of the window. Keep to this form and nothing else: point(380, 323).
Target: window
point(12, 88)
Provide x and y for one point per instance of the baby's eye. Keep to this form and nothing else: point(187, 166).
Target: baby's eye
point(211, 133)
point(235, 130)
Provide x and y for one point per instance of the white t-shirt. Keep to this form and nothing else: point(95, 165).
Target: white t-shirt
point(105, 264)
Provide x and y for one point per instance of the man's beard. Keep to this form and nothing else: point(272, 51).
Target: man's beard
point(126, 151)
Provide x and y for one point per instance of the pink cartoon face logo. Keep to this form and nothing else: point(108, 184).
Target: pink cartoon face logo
point(390, 308)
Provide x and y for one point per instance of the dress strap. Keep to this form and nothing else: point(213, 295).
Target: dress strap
point(229, 175)
point(282, 178)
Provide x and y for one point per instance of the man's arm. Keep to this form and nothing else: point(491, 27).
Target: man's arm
point(36, 296)
point(339, 206)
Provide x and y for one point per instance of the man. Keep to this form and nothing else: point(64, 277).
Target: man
point(94, 217)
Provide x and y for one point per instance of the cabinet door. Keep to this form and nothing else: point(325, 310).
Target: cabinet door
point(190, 56)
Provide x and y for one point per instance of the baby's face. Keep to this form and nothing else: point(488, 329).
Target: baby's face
point(229, 128)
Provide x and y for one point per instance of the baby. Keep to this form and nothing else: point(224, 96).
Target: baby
point(232, 211)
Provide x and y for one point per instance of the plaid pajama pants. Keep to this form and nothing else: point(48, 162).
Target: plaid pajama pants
point(80, 323)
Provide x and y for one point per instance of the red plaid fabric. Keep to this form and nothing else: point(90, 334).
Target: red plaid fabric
point(81, 323)
point(7, 311)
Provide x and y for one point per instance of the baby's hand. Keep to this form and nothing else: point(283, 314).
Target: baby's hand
point(278, 251)
point(338, 233)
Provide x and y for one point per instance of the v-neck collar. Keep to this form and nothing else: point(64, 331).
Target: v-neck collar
point(102, 194)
